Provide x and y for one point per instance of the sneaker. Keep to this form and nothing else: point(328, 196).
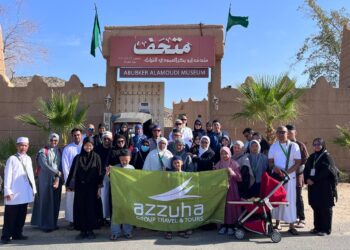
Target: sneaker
point(128, 236)
point(230, 231)
point(321, 234)
point(222, 231)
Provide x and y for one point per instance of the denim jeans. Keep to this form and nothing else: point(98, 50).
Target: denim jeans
point(116, 229)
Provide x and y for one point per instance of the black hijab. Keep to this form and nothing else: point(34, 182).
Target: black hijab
point(87, 160)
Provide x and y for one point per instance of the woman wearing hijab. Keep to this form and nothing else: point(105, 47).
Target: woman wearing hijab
point(139, 157)
point(124, 131)
point(195, 145)
point(241, 158)
point(187, 165)
point(138, 138)
point(86, 180)
point(231, 212)
point(259, 163)
point(49, 173)
point(160, 158)
point(198, 130)
point(206, 156)
point(320, 175)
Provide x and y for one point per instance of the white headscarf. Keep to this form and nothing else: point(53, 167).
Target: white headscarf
point(166, 144)
point(203, 150)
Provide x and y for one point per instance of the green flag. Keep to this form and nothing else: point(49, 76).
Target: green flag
point(168, 201)
point(236, 20)
point(96, 33)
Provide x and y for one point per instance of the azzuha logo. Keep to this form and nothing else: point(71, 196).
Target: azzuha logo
point(165, 213)
point(179, 192)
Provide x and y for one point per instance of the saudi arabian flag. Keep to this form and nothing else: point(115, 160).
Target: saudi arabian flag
point(236, 20)
point(96, 33)
point(168, 201)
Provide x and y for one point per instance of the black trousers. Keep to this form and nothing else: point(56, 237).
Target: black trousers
point(300, 204)
point(14, 218)
point(323, 219)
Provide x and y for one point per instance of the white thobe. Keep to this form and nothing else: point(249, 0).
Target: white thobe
point(69, 152)
point(152, 162)
point(16, 181)
point(286, 213)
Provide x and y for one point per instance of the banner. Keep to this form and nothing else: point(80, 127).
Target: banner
point(168, 201)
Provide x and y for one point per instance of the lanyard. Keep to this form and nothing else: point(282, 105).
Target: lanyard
point(284, 151)
point(316, 160)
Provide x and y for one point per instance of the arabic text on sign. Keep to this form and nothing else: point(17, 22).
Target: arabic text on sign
point(164, 47)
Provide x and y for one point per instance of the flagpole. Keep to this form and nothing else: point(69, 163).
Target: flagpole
point(99, 47)
point(229, 12)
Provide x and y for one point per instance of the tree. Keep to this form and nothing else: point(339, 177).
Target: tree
point(321, 51)
point(269, 99)
point(17, 33)
point(61, 114)
point(343, 139)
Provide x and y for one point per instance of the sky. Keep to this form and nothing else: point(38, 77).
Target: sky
point(268, 46)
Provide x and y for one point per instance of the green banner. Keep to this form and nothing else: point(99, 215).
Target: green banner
point(168, 201)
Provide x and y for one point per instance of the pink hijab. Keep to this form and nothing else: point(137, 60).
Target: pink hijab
point(230, 163)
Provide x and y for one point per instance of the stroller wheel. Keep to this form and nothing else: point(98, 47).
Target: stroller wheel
point(276, 236)
point(239, 234)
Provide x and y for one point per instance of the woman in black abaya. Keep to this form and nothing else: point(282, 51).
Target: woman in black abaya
point(86, 180)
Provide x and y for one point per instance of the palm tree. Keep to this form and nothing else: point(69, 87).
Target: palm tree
point(61, 113)
point(269, 99)
point(343, 139)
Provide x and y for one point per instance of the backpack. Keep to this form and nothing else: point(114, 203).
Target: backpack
point(335, 180)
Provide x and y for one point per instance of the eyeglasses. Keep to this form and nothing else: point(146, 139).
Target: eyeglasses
point(183, 119)
point(197, 124)
point(317, 144)
point(281, 132)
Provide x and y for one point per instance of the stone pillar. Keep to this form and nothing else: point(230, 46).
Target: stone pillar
point(214, 87)
point(344, 72)
point(2, 57)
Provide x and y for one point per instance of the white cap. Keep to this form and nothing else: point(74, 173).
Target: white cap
point(107, 134)
point(22, 140)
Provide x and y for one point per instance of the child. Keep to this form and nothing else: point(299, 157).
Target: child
point(231, 212)
point(118, 229)
point(177, 164)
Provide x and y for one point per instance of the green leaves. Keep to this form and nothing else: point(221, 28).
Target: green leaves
point(321, 51)
point(59, 114)
point(269, 99)
point(343, 139)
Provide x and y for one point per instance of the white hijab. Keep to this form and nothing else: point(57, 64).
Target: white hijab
point(201, 149)
point(166, 144)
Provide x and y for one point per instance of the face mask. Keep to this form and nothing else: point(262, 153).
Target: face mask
point(144, 148)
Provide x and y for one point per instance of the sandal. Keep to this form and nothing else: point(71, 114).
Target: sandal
point(293, 231)
point(168, 236)
point(279, 228)
point(113, 237)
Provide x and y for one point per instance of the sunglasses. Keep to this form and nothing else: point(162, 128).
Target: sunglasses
point(281, 132)
point(317, 144)
point(120, 141)
point(178, 124)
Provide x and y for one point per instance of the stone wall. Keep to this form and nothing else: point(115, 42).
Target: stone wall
point(20, 100)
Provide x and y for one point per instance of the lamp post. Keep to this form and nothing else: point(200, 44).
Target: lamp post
point(108, 102)
point(107, 115)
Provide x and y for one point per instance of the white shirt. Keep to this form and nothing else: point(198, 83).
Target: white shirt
point(16, 182)
point(187, 136)
point(152, 162)
point(69, 152)
point(280, 158)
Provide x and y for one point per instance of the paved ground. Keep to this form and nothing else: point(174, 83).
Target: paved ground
point(147, 239)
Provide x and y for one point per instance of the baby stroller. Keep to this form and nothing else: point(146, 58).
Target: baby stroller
point(257, 214)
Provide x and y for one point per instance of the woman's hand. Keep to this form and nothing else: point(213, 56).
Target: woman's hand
point(309, 182)
point(108, 170)
point(9, 197)
point(98, 192)
point(231, 172)
point(56, 183)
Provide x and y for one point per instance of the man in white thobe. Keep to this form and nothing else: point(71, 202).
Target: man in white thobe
point(69, 152)
point(278, 155)
point(19, 190)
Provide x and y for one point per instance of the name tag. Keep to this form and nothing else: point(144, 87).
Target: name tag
point(312, 172)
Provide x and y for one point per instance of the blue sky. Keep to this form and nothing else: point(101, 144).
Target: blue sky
point(267, 47)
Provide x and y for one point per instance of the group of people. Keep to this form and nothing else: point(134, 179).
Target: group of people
point(84, 166)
